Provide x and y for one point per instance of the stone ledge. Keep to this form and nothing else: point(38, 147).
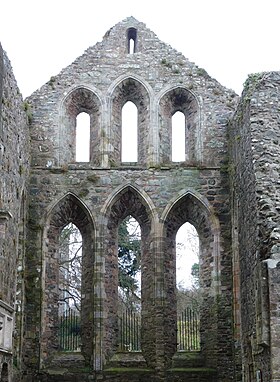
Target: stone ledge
point(6, 306)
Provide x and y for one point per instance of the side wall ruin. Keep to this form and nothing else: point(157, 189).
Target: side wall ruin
point(254, 172)
point(14, 167)
point(228, 188)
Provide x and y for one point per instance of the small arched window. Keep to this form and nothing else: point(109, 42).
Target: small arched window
point(178, 137)
point(129, 151)
point(131, 40)
point(83, 137)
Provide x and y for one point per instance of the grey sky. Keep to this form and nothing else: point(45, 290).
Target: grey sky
point(227, 38)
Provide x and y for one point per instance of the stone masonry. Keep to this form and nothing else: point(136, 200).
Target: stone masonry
point(227, 188)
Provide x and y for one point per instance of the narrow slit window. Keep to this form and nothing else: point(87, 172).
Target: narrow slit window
point(131, 46)
point(131, 40)
point(83, 137)
point(178, 137)
point(129, 133)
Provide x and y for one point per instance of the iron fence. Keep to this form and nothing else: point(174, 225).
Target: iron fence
point(129, 331)
point(70, 331)
point(188, 337)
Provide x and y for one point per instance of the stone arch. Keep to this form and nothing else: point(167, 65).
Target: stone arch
point(129, 88)
point(4, 373)
point(190, 206)
point(69, 209)
point(171, 100)
point(127, 200)
point(78, 100)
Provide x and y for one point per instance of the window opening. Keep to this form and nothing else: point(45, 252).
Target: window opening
point(131, 39)
point(129, 151)
point(188, 291)
point(131, 46)
point(70, 282)
point(178, 137)
point(129, 264)
point(83, 137)
point(4, 373)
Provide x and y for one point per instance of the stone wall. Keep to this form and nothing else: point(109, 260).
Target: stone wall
point(227, 187)
point(160, 194)
point(255, 138)
point(14, 168)
point(1, 83)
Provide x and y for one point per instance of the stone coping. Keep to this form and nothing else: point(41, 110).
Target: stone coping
point(6, 306)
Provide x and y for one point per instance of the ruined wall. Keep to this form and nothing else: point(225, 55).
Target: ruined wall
point(14, 170)
point(255, 138)
point(239, 236)
point(159, 81)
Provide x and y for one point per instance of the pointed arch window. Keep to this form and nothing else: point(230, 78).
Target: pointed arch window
point(70, 286)
point(188, 291)
point(131, 40)
point(129, 284)
point(129, 147)
point(178, 137)
point(83, 137)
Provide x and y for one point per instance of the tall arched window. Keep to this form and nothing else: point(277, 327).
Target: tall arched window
point(129, 290)
point(178, 137)
point(188, 292)
point(70, 285)
point(83, 137)
point(129, 152)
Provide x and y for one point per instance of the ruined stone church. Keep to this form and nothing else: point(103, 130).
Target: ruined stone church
point(226, 185)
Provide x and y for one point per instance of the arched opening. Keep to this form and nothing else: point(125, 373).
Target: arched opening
point(131, 40)
point(68, 280)
point(80, 128)
point(83, 137)
point(189, 208)
point(178, 137)
point(127, 92)
point(129, 290)
point(4, 373)
point(187, 288)
point(179, 127)
point(129, 133)
point(70, 288)
point(126, 204)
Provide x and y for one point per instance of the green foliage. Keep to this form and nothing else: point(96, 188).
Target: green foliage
point(129, 255)
point(27, 108)
point(52, 82)
point(129, 263)
point(195, 273)
point(164, 62)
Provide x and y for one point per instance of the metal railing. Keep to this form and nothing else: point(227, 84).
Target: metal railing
point(129, 331)
point(188, 337)
point(70, 331)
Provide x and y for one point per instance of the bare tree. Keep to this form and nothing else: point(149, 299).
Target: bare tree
point(70, 267)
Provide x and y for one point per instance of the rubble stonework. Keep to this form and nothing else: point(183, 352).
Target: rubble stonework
point(254, 136)
point(14, 165)
point(226, 187)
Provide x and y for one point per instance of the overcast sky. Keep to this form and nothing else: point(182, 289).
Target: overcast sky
point(228, 38)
